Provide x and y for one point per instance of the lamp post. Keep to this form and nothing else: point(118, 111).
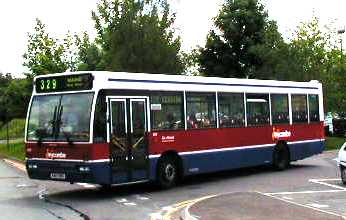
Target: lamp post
point(341, 32)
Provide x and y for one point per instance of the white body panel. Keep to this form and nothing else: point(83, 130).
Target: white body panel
point(161, 82)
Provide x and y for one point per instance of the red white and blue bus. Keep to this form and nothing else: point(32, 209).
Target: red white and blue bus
point(117, 128)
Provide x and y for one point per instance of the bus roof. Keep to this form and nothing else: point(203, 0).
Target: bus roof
point(159, 82)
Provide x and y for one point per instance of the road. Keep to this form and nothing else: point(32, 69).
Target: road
point(311, 184)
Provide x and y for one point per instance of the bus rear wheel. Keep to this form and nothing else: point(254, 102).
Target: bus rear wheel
point(167, 173)
point(281, 158)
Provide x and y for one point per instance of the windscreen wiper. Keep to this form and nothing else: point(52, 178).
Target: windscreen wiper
point(54, 120)
point(68, 138)
point(66, 135)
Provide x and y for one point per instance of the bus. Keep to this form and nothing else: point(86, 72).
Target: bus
point(111, 128)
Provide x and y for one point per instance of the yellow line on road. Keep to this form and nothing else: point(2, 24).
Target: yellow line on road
point(168, 211)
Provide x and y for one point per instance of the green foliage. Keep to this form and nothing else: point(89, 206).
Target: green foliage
point(137, 36)
point(15, 150)
point(89, 55)
point(16, 98)
point(15, 129)
point(190, 62)
point(309, 51)
point(45, 54)
point(5, 80)
point(232, 49)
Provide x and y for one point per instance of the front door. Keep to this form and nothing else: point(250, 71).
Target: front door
point(127, 137)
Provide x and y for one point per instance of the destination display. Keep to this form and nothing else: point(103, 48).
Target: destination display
point(64, 83)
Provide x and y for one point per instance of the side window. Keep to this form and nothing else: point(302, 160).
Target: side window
point(257, 107)
point(280, 112)
point(231, 110)
point(314, 108)
point(167, 111)
point(200, 110)
point(299, 109)
point(100, 124)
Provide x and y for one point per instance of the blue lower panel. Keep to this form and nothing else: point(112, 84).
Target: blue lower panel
point(153, 165)
point(99, 172)
point(195, 163)
point(300, 151)
point(226, 160)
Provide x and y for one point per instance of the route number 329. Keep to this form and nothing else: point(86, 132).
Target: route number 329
point(49, 84)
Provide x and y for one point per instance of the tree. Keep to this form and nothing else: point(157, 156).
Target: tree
point(89, 55)
point(310, 48)
point(231, 48)
point(16, 97)
point(5, 80)
point(137, 36)
point(45, 54)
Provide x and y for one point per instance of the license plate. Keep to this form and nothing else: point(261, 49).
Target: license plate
point(58, 176)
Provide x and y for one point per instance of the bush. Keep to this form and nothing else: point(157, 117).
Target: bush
point(16, 129)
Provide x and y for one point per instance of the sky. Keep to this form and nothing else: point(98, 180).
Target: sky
point(194, 20)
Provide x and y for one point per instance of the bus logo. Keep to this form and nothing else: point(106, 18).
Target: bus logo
point(167, 139)
point(281, 135)
point(54, 155)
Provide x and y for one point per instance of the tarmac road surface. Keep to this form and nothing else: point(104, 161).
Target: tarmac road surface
point(312, 184)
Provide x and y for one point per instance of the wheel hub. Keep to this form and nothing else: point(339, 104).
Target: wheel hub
point(170, 172)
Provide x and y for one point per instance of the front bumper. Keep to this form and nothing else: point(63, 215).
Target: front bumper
point(85, 172)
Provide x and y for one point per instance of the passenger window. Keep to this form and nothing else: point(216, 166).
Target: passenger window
point(167, 111)
point(299, 109)
point(257, 107)
point(279, 106)
point(200, 110)
point(314, 108)
point(231, 110)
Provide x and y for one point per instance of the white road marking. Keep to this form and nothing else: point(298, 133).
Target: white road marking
point(322, 182)
point(167, 208)
point(121, 200)
point(24, 185)
point(316, 205)
point(155, 216)
point(130, 204)
point(317, 181)
point(304, 192)
point(86, 185)
point(288, 198)
point(301, 205)
point(142, 198)
point(42, 193)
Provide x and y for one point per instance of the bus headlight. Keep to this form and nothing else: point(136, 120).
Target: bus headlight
point(32, 166)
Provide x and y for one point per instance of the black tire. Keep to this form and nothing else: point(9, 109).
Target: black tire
point(105, 187)
point(281, 157)
point(167, 172)
point(343, 175)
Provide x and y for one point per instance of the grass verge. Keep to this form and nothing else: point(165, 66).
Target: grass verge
point(15, 150)
point(334, 143)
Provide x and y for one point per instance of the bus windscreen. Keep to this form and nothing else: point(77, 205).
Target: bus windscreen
point(60, 118)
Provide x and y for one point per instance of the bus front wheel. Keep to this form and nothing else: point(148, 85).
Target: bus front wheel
point(167, 173)
point(281, 158)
